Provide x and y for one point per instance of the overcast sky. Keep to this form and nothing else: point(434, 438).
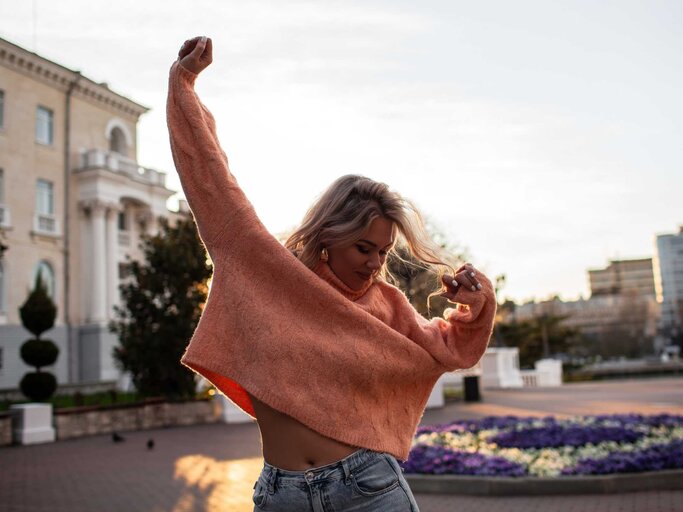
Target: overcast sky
point(543, 137)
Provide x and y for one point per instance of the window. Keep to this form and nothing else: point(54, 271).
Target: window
point(123, 224)
point(2, 109)
point(117, 142)
point(2, 288)
point(47, 275)
point(45, 201)
point(4, 214)
point(44, 125)
point(45, 221)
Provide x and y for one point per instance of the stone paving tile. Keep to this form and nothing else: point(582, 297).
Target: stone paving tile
point(212, 467)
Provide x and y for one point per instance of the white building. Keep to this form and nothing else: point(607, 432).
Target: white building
point(669, 280)
point(73, 204)
point(623, 277)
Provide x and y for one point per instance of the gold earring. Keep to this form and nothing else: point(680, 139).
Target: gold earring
point(323, 254)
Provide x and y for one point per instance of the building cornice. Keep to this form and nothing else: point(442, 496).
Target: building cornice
point(59, 77)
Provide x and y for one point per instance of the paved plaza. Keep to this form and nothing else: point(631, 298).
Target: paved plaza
point(212, 467)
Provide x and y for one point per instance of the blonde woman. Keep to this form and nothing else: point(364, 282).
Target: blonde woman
point(310, 339)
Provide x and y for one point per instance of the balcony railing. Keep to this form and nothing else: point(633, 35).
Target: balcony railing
point(124, 238)
point(95, 158)
point(45, 224)
point(5, 221)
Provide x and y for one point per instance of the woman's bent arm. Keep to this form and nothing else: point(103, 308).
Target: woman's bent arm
point(460, 340)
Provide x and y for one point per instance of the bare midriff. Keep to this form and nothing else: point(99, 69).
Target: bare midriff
point(289, 444)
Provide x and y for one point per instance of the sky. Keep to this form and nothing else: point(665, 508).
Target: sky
point(543, 138)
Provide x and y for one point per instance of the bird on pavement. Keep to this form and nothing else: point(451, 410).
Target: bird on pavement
point(117, 438)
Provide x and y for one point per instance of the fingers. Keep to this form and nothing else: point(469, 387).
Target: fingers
point(196, 54)
point(187, 47)
point(470, 277)
point(199, 47)
point(465, 277)
point(196, 46)
point(451, 289)
point(451, 284)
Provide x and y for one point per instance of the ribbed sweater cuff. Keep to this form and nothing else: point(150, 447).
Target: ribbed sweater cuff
point(183, 73)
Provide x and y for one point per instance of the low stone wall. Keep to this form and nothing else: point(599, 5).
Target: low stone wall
point(86, 421)
point(5, 428)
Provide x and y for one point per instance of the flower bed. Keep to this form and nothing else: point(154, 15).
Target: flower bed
point(549, 447)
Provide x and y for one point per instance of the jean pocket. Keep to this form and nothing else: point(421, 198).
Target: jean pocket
point(376, 478)
point(260, 494)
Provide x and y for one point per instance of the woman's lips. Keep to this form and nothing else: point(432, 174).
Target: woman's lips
point(364, 276)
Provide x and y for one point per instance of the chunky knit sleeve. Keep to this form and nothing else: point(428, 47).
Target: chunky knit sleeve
point(212, 192)
point(467, 330)
point(457, 341)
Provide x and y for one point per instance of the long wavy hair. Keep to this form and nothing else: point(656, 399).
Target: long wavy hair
point(344, 212)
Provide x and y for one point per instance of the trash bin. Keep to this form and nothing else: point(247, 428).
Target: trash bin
point(471, 384)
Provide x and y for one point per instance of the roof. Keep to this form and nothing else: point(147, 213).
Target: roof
point(60, 77)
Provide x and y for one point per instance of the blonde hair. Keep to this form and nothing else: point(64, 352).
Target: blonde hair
point(344, 212)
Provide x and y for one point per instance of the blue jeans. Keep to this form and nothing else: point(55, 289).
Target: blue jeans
point(363, 481)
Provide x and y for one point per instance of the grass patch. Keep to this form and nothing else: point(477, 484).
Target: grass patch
point(78, 399)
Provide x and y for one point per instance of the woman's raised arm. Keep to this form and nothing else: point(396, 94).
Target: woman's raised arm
point(213, 194)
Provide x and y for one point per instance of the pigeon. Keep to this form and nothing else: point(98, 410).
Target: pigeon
point(117, 438)
point(150, 444)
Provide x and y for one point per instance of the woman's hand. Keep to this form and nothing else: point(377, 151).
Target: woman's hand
point(466, 276)
point(196, 54)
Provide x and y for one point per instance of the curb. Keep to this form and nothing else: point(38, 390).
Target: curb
point(665, 480)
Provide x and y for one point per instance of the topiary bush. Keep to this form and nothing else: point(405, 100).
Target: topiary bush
point(38, 315)
point(38, 386)
point(39, 353)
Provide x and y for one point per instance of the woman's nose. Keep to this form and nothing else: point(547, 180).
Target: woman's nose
point(374, 262)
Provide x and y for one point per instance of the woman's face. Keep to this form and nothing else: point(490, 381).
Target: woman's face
point(359, 262)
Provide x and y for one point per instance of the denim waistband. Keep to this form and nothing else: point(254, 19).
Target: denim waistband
point(340, 470)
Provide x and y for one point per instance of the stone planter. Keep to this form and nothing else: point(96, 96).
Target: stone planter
point(500, 368)
point(32, 423)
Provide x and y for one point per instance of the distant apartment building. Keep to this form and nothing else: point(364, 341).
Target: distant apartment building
point(623, 277)
point(669, 280)
point(622, 306)
point(599, 316)
point(73, 205)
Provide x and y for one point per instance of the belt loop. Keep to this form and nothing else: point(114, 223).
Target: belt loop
point(272, 479)
point(347, 471)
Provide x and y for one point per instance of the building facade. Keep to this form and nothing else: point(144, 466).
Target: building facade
point(73, 205)
point(623, 277)
point(621, 315)
point(669, 281)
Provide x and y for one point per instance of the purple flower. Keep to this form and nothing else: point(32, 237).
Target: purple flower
point(553, 436)
point(529, 433)
point(439, 460)
point(656, 457)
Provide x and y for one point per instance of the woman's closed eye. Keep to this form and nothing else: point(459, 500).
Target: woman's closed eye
point(362, 249)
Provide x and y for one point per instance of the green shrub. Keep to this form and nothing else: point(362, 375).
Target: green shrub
point(39, 353)
point(38, 315)
point(38, 386)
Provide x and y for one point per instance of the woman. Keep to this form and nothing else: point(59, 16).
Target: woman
point(332, 361)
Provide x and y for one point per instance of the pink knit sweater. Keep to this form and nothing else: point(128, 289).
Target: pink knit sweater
point(355, 366)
